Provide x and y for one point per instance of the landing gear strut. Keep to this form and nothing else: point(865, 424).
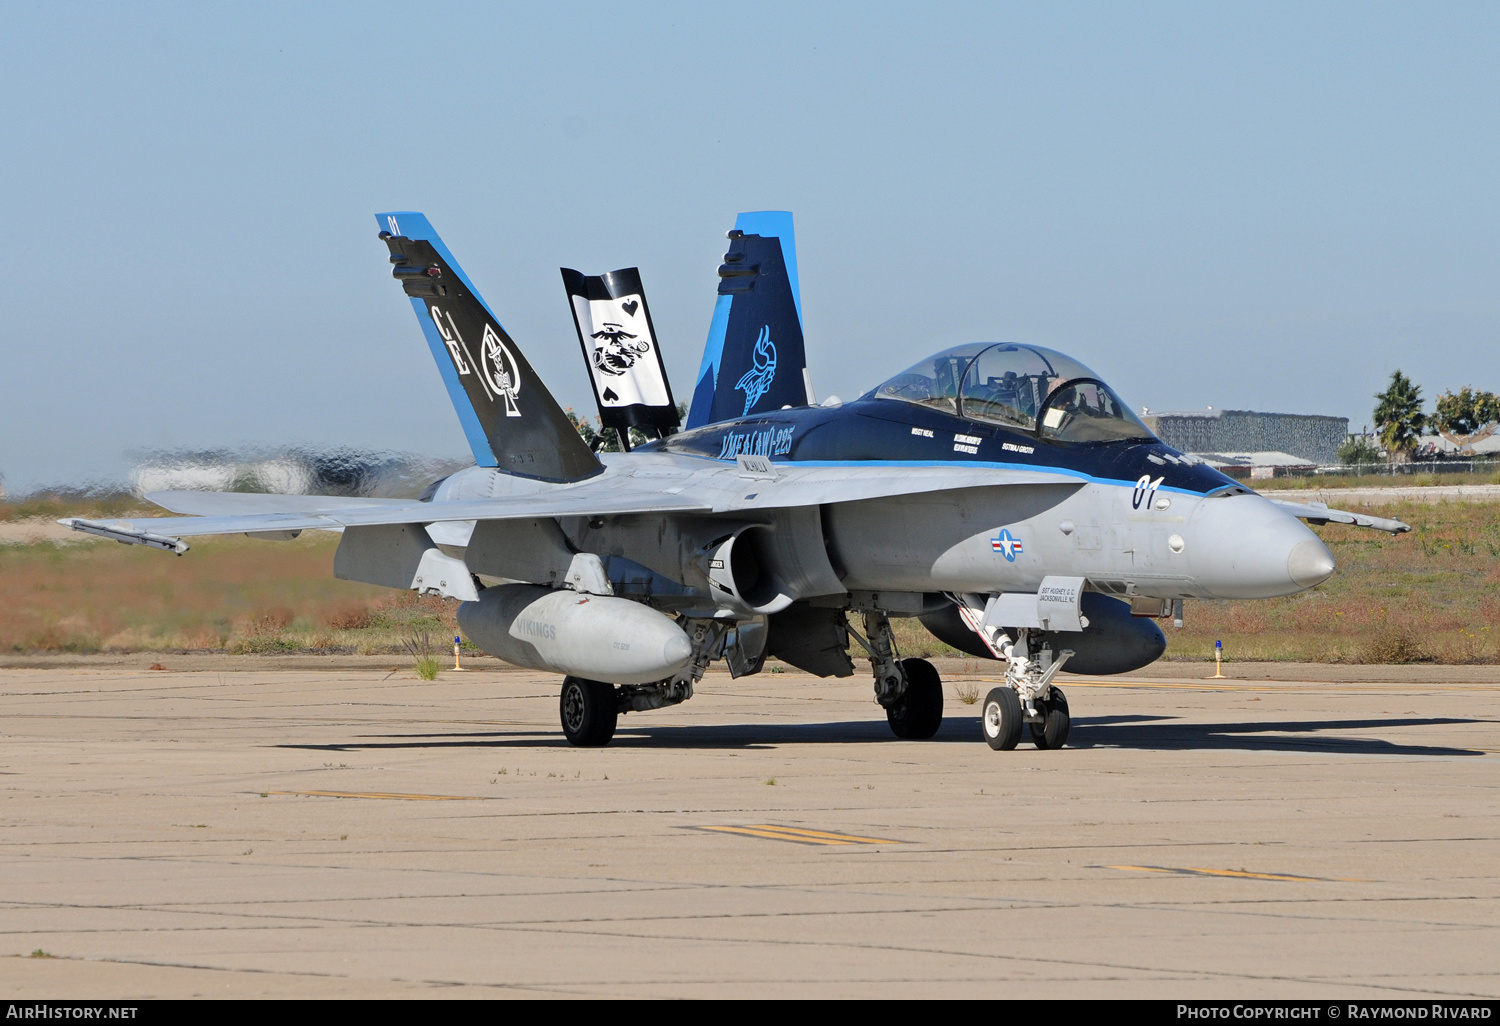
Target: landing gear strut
point(910, 690)
point(1028, 697)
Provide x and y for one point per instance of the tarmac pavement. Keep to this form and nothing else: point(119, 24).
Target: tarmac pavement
point(246, 830)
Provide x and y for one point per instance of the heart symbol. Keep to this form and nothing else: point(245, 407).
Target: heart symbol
point(610, 397)
point(630, 306)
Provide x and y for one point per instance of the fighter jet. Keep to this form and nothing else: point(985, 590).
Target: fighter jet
point(1000, 492)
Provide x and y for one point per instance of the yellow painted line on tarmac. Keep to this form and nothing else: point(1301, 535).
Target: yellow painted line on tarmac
point(385, 794)
point(1239, 873)
point(1280, 687)
point(1152, 685)
point(797, 834)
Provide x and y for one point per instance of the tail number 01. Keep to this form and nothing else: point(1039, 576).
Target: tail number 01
point(1145, 492)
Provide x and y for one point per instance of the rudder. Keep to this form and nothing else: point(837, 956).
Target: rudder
point(755, 359)
point(509, 418)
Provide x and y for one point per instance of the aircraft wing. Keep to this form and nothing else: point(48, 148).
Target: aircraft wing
point(412, 512)
point(802, 484)
point(209, 504)
point(1320, 513)
point(752, 484)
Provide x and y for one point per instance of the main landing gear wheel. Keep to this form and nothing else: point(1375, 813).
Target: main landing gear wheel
point(1052, 732)
point(589, 712)
point(918, 713)
point(1002, 719)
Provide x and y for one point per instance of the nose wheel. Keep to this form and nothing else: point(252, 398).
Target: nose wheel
point(589, 712)
point(1003, 718)
point(1051, 731)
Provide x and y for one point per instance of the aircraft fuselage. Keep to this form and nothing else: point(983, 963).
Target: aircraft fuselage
point(1134, 518)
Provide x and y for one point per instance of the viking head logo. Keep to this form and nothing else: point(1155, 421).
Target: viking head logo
point(617, 349)
point(500, 371)
point(757, 381)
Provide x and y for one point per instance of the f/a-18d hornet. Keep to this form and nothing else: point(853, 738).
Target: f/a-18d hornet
point(1000, 492)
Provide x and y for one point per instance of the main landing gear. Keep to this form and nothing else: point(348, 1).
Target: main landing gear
point(591, 709)
point(589, 712)
point(1028, 697)
point(910, 690)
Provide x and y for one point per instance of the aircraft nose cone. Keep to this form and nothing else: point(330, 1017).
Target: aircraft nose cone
point(1243, 547)
point(1310, 563)
point(677, 651)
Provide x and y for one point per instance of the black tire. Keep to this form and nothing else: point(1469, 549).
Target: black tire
point(918, 714)
point(1052, 732)
point(589, 712)
point(1001, 719)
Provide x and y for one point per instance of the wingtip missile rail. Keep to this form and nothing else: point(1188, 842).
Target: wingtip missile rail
point(1320, 513)
point(125, 535)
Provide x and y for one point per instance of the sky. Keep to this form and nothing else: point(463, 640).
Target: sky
point(1264, 206)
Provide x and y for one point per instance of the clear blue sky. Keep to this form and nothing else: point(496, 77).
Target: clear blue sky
point(1262, 205)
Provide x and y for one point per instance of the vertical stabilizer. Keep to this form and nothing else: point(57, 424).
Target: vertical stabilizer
point(754, 360)
point(510, 419)
point(621, 352)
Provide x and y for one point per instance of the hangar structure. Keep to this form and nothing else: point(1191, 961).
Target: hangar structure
point(1248, 438)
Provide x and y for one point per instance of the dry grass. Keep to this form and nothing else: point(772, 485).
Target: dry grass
point(1433, 595)
point(1428, 596)
point(424, 659)
point(231, 594)
point(966, 692)
point(52, 505)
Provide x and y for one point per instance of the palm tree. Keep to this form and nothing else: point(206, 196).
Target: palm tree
point(1398, 417)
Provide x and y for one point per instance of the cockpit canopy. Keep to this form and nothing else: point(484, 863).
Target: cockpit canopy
point(1026, 388)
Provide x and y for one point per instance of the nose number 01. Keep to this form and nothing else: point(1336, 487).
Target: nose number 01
point(1145, 492)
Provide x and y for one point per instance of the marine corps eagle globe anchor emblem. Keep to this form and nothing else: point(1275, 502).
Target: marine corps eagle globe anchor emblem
point(618, 349)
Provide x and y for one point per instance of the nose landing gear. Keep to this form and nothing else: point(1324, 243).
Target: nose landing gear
point(1001, 719)
point(1050, 730)
point(1028, 696)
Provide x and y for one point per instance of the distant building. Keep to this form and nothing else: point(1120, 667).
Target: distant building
point(1309, 438)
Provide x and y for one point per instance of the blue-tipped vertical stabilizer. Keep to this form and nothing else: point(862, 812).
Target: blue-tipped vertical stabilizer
point(755, 359)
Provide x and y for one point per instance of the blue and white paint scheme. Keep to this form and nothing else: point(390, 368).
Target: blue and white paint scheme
point(755, 359)
point(759, 529)
point(757, 381)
